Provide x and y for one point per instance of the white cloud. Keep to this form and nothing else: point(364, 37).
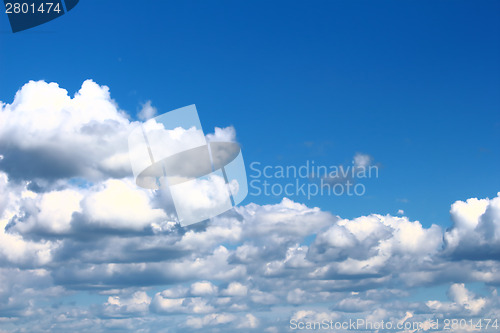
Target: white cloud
point(201, 198)
point(187, 305)
point(148, 111)
point(350, 250)
point(476, 229)
point(250, 321)
point(120, 204)
point(4, 194)
point(166, 305)
point(83, 136)
point(314, 316)
point(14, 249)
point(460, 295)
point(371, 244)
point(114, 204)
point(177, 292)
point(462, 301)
point(235, 289)
point(50, 212)
point(226, 134)
point(362, 160)
point(286, 219)
point(203, 288)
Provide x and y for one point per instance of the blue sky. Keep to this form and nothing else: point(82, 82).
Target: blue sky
point(415, 85)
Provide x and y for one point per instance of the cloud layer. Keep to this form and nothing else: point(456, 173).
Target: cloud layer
point(79, 235)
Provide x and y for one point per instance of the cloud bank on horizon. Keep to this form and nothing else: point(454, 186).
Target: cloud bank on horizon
point(74, 223)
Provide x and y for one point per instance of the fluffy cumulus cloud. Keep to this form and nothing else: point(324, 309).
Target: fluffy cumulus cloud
point(83, 249)
point(476, 229)
point(80, 136)
point(113, 205)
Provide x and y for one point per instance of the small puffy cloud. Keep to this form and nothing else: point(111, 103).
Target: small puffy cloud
point(250, 321)
point(226, 134)
point(362, 160)
point(362, 167)
point(462, 300)
point(148, 111)
point(137, 303)
point(235, 289)
point(203, 288)
point(460, 295)
point(314, 316)
point(161, 304)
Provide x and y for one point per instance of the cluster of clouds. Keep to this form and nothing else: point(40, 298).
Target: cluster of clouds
point(82, 248)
